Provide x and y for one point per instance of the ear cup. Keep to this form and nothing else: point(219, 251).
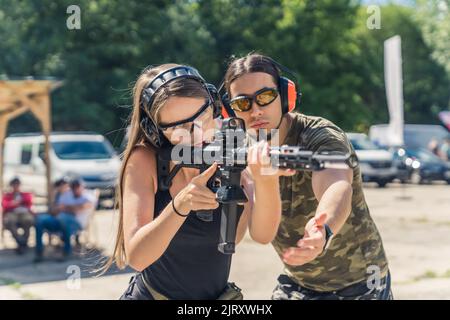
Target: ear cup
point(283, 90)
point(152, 133)
point(217, 104)
point(288, 94)
point(291, 95)
point(227, 112)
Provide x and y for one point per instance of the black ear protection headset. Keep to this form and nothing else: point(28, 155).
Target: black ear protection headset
point(148, 125)
point(290, 95)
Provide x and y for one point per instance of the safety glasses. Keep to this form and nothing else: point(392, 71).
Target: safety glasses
point(202, 116)
point(262, 97)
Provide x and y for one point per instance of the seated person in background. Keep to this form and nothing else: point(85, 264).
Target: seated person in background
point(49, 221)
point(444, 149)
point(17, 214)
point(74, 207)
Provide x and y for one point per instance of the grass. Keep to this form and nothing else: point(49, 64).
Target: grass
point(421, 220)
point(18, 286)
point(29, 296)
point(10, 282)
point(429, 274)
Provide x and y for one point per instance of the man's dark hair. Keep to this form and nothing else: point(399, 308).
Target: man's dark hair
point(61, 181)
point(253, 62)
point(77, 182)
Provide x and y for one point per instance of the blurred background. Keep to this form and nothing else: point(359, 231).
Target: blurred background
point(335, 46)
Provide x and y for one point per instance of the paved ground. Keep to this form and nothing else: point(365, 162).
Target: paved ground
point(414, 222)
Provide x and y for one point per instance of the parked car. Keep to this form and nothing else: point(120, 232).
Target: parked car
point(430, 167)
point(73, 154)
point(407, 166)
point(414, 135)
point(377, 165)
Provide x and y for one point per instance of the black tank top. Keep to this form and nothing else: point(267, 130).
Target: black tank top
point(191, 267)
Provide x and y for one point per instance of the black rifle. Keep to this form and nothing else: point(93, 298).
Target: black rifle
point(229, 150)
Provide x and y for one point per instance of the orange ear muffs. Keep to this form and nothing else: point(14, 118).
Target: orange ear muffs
point(291, 96)
point(288, 94)
point(225, 113)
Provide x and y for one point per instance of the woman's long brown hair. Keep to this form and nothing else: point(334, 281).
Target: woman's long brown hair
point(181, 88)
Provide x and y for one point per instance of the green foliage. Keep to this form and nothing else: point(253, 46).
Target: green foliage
point(339, 61)
point(433, 17)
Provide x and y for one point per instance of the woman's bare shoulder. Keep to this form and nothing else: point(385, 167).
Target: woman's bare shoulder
point(142, 162)
point(142, 153)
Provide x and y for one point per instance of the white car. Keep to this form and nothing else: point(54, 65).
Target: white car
point(377, 165)
point(88, 156)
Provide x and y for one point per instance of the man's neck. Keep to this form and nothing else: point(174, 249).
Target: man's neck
point(284, 127)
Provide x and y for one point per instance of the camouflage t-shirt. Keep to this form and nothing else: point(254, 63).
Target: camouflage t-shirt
point(356, 251)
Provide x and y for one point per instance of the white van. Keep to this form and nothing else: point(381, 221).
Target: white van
point(89, 156)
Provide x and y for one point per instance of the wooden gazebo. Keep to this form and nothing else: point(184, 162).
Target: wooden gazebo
point(20, 96)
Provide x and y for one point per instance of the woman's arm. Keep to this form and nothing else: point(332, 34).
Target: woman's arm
point(266, 210)
point(246, 183)
point(147, 238)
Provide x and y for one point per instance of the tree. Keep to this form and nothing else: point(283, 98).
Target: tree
point(434, 20)
point(425, 83)
point(338, 60)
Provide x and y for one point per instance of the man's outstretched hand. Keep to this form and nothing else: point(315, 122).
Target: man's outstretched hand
point(311, 245)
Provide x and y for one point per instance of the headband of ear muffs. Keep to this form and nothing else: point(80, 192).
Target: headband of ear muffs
point(287, 89)
point(148, 125)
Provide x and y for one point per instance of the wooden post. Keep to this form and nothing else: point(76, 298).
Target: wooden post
point(42, 112)
point(3, 126)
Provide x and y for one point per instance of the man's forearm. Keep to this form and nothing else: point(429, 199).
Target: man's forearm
point(336, 203)
point(266, 212)
point(69, 208)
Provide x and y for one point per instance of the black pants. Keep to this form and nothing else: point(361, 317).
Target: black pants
point(289, 290)
point(136, 289)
